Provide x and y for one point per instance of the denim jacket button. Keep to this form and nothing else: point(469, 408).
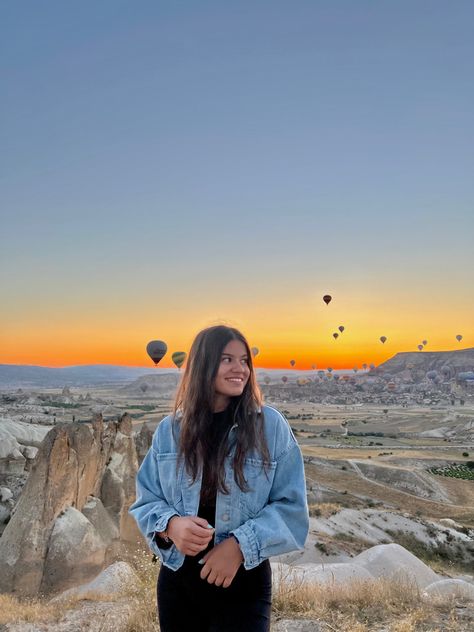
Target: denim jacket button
point(225, 517)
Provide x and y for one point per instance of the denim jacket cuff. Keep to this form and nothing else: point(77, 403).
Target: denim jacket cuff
point(162, 522)
point(248, 542)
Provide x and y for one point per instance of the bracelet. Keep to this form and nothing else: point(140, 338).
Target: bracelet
point(164, 534)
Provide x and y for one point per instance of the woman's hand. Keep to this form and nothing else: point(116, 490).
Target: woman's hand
point(222, 563)
point(190, 534)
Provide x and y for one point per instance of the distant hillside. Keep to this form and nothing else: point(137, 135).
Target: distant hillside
point(161, 384)
point(462, 360)
point(17, 375)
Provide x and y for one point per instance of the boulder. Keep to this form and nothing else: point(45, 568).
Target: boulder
point(97, 515)
point(449, 589)
point(75, 551)
point(113, 580)
point(320, 573)
point(5, 494)
point(393, 561)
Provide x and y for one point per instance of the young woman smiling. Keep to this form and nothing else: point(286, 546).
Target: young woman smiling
point(221, 490)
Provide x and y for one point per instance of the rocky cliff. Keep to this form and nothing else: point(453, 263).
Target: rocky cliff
point(73, 507)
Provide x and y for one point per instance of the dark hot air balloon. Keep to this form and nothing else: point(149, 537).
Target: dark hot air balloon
point(254, 351)
point(341, 328)
point(266, 379)
point(424, 342)
point(292, 362)
point(284, 379)
point(335, 335)
point(327, 299)
point(459, 337)
point(420, 347)
point(156, 349)
point(383, 339)
point(178, 358)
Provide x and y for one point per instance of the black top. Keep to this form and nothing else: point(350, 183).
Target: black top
point(221, 424)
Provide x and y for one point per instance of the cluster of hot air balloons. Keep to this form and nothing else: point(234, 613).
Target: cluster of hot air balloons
point(157, 349)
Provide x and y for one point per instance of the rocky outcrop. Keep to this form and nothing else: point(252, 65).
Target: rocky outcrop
point(73, 506)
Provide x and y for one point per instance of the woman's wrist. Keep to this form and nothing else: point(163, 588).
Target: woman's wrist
point(164, 535)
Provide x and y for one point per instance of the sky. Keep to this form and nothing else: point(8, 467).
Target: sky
point(170, 165)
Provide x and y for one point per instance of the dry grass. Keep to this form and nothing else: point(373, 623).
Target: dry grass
point(324, 510)
point(363, 606)
point(14, 610)
point(143, 602)
point(357, 606)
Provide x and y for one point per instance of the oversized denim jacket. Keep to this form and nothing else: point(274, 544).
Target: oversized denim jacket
point(270, 519)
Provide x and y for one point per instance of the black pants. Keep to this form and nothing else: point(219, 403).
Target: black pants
point(187, 602)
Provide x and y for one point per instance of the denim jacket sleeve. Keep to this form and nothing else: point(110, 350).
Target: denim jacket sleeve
point(151, 509)
point(282, 525)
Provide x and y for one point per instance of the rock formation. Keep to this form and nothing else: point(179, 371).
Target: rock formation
point(73, 506)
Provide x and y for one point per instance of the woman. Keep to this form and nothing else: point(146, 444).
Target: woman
point(221, 490)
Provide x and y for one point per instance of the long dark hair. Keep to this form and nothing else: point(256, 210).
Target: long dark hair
point(193, 410)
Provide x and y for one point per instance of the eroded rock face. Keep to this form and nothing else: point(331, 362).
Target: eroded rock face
point(74, 463)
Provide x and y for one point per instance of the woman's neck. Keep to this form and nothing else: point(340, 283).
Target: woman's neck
point(220, 403)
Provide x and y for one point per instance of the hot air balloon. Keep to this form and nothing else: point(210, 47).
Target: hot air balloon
point(383, 339)
point(329, 369)
point(321, 373)
point(459, 337)
point(420, 347)
point(372, 366)
point(284, 379)
point(254, 351)
point(335, 335)
point(143, 387)
point(341, 328)
point(364, 366)
point(336, 377)
point(431, 375)
point(355, 369)
point(156, 349)
point(327, 299)
point(424, 342)
point(266, 379)
point(178, 358)
point(292, 362)
point(313, 366)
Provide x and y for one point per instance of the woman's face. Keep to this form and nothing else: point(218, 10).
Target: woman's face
point(232, 375)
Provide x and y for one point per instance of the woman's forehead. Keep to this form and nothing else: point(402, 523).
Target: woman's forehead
point(235, 348)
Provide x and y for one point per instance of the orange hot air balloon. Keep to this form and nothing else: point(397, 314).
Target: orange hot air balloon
point(156, 349)
point(313, 366)
point(459, 337)
point(335, 335)
point(327, 299)
point(364, 366)
point(383, 339)
point(292, 362)
point(341, 328)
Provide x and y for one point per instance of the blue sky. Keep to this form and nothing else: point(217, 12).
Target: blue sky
point(213, 149)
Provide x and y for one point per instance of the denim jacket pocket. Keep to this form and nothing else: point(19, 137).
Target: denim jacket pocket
point(259, 476)
point(170, 474)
